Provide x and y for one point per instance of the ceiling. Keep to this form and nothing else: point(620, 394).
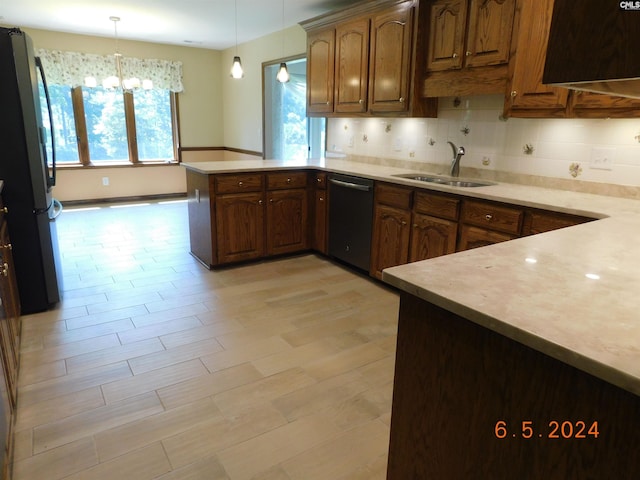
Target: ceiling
point(198, 23)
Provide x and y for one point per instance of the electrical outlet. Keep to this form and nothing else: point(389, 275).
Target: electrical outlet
point(105, 181)
point(602, 158)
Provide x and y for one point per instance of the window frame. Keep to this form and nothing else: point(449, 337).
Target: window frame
point(82, 137)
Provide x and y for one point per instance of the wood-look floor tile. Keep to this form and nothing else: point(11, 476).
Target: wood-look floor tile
point(266, 369)
point(348, 452)
point(90, 422)
point(206, 469)
point(59, 462)
point(150, 428)
point(144, 464)
point(172, 356)
point(152, 380)
point(114, 354)
point(57, 408)
point(75, 382)
point(197, 388)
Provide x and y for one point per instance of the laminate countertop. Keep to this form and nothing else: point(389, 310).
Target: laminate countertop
point(573, 294)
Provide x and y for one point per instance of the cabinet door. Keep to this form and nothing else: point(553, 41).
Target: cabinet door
point(474, 237)
point(447, 24)
point(527, 95)
point(352, 66)
point(390, 245)
point(320, 71)
point(490, 29)
point(432, 237)
point(320, 222)
point(597, 105)
point(390, 61)
point(240, 226)
point(287, 221)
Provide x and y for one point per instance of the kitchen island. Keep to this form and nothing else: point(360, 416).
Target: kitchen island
point(520, 359)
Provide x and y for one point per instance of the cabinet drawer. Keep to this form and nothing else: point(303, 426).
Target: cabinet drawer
point(492, 216)
point(320, 180)
point(393, 196)
point(280, 180)
point(437, 205)
point(539, 222)
point(246, 182)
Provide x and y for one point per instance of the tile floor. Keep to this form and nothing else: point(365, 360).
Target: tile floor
point(153, 367)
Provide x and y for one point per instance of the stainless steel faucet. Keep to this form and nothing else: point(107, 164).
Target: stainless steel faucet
point(455, 163)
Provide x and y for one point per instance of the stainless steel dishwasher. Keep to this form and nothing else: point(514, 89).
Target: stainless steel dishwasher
point(350, 219)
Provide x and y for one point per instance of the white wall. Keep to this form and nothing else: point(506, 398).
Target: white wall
point(557, 143)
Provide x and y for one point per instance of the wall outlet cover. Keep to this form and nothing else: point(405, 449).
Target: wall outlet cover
point(602, 158)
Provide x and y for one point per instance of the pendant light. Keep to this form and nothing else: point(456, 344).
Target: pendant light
point(236, 69)
point(283, 73)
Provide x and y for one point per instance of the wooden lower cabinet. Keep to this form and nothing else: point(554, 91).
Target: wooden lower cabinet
point(539, 222)
point(474, 237)
point(390, 245)
point(287, 221)
point(319, 234)
point(432, 237)
point(240, 230)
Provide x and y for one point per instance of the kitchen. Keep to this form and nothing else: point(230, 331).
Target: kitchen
point(543, 151)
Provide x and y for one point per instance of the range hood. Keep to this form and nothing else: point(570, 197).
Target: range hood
point(594, 45)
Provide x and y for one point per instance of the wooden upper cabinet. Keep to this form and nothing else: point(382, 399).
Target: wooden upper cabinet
point(526, 95)
point(597, 105)
point(448, 19)
point(320, 71)
point(472, 33)
point(352, 66)
point(390, 65)
point(490, 29)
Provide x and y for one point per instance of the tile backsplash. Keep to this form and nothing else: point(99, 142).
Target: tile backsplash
point(579, 151)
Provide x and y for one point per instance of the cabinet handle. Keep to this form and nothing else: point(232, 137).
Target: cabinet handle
point(488, 217)
point(455, 55)
point(8, 245)
point(5, 270)
point(513, 94)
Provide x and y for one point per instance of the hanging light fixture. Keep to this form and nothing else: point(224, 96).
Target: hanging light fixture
point(117, 81)
point(283, 73)
point(236, 68)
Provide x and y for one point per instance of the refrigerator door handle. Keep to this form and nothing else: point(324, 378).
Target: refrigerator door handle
point(51, 179)
point(57, 207)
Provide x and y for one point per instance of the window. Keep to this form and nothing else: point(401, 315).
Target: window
point(98, 126)
point(288, 133)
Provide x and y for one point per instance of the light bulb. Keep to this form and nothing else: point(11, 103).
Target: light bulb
point(283, 73)
point(236, 69)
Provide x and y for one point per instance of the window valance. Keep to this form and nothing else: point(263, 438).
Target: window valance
point(71, 68)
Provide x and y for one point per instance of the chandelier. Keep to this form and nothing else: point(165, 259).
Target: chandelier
point(116, 81)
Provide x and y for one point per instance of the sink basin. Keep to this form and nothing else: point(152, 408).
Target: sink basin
point(452, 182)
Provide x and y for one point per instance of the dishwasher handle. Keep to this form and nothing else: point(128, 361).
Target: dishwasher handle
point(354, 186)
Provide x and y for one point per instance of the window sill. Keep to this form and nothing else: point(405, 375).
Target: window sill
point(106, 165)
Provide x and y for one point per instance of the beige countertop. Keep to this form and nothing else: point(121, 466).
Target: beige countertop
point(535, 289)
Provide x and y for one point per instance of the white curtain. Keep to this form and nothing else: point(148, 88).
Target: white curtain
point(71, 68)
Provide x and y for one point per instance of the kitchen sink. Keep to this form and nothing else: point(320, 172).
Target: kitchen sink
point(451, 181)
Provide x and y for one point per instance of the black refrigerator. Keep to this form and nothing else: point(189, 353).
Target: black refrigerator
point(27, 173)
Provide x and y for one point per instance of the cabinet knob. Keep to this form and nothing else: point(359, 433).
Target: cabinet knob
point(468, 53)
point(321, 199)
point(360, 101)
point(328, 103)
point(319, 180)
point(259, 202)
point(271, 200)
point(455, 55)
point(488, 217)
point(5, 209)
point(403, 223)
point(8, 245)
point(240, 184)
point(401, 99)
point(513, 94)
point(415, 225)
point(288, 180)
point(5, 270)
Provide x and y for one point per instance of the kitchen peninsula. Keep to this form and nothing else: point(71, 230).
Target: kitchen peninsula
point(510, 354)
